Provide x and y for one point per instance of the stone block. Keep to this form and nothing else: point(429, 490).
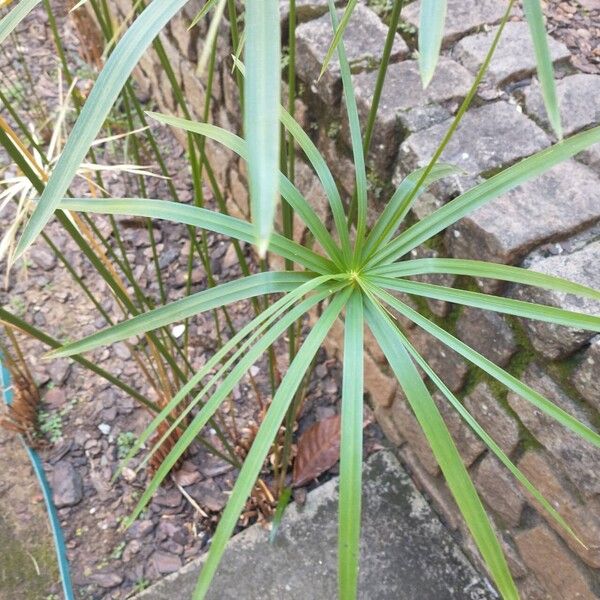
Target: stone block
point(499, 489)
point(578, 458)
point(493, 417)
point(582, 517)
point(380, 386)
point(364, 40)
point(488, 138)
point(552, 564)
point(488, 333)
point(404, 105)
point(577, 98)
point(548, 208)
point(446, 363)
point(514, 58)
point(462, 16)
point(585, 376)
point(581, 266)
point(311, 188)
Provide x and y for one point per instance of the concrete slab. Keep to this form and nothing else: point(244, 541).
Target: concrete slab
point(406, 553)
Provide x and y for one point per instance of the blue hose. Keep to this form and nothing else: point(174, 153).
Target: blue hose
point(59, 540)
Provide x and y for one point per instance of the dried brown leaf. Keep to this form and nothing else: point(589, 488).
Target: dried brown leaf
point(318, 450)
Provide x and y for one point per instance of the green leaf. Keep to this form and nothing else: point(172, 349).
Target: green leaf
point(351, 449)
point(111, 80)
point(339, 32)
point(270, 425)
point(442, 446)
point(226, 293)
point(487, 439)
point(288, 190)
point(209, 5)
point(401, 202)
point(15, 16)
point(320, 166)
point(355, 135)
point(509, 306)
point(545, 70)
point(512, 383)
point(261, 113)
point(221, 393)
point(477, 268)
point(432, 18)
point(495, 186)
point(198, 217)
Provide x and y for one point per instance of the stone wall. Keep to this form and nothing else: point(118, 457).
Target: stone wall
point(550, 225)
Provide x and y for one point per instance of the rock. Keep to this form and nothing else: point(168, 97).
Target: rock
point(552, 206)
point(305, 10)
point(168, 498)
point(43, 257)
point(585, 376)
point(577, 100)
point(104, 428)
point(131, 549)
point(462, 16)
point(55, 397)
point(122, 351)
point(380, 386)
point(582, 266)
point(165, 562)
point(491, 415)
point(578, 458)
point(107, 580)
point(489, 137)
point(364, 40)
point(499, 489)
point(552, 565)
point(140, 529)
point(447, 364)
point(582, 517)
point(208, 495)
point(59, 370)
point(67, 487)
point(168, 256)
point(488, 333)
point(402, 94)
point(514, 57)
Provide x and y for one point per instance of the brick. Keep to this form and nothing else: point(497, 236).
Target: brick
point(493, 417)
point(380, 386)
point(364, 40)
point(462, 17)
point(582, 517)
point(489, 137)
point(577, 95)
point(552, 564)
point(514, 57)
point(437, 307)
point(404, 105)
point(585, 376)
point(581, 266)
point(578, 458)
point(447, 364)
point(499, 490)
point(488, 333)
point(552, 206)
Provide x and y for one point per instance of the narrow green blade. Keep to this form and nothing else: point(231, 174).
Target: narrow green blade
point(432, 18)
point(209, 5)
point(226, 293)
point(545, 70)
point(15, 16)
point(258, 452)
point(509, 306)
point(351, 449)
point(442, 446)
point(339, 33)
point(495, 186)
point(261, 113)
point(111, 80)
point(198, 217)
point(479, 268)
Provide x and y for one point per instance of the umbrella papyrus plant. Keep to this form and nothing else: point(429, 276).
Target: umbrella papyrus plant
point(355, 279)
